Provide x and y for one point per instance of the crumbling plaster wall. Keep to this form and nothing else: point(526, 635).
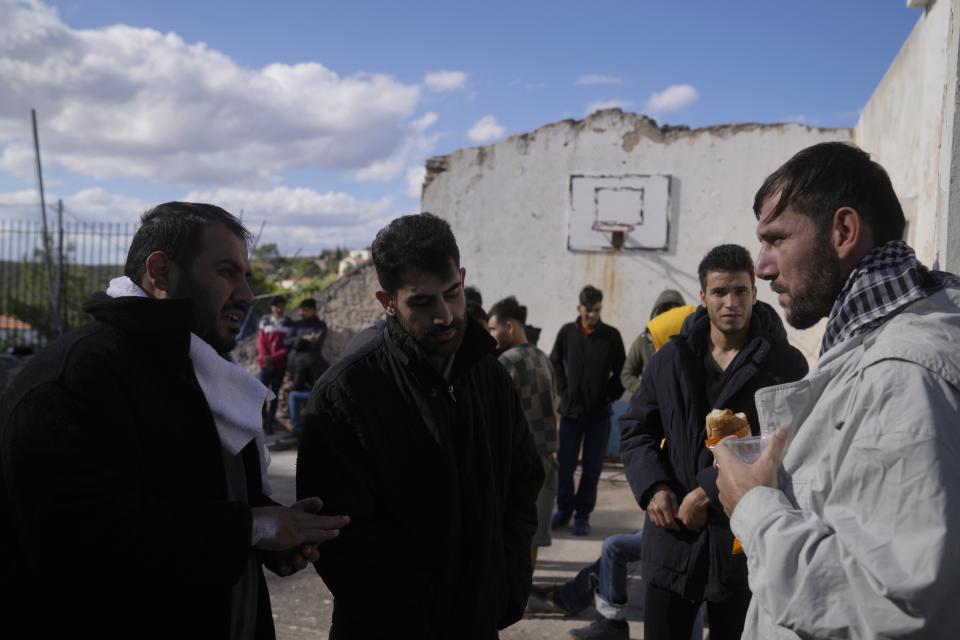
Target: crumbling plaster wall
point(911, 125)
point(509, 203)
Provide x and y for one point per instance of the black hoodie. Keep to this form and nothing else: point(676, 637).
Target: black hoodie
point(672, 404)
point(588, 369)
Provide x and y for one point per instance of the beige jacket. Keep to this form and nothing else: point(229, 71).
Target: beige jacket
point(864, 539)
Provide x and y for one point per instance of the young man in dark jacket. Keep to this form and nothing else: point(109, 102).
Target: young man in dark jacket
point(132, 470)
point(587, 358)
point(732, 346)
point(307, 364)
point(420, 436)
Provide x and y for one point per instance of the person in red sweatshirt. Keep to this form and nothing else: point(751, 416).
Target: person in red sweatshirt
point(272, 354)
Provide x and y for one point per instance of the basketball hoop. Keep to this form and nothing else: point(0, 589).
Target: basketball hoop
point(618, 231)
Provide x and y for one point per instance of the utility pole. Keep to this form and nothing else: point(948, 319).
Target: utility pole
point(61, 279)
point(47, 258)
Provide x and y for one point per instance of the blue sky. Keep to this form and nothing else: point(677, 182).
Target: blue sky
point(317, 116)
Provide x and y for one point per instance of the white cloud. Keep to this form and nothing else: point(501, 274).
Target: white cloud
point(608, 104)
point(301, 218)
point(673, 98)
point(599, 78)
point(415, 176)
point(415, 148)
point(296, 218)
point(132, 102)
point(87, 205)
point(485, 129)
point(445, 80)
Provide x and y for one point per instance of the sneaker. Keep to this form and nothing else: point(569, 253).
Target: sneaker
point(581, 527)
point(560, 519)
point(603, 629)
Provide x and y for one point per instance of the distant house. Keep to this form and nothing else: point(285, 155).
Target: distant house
point(293, 283)
point(353, 260)
point(13, 328)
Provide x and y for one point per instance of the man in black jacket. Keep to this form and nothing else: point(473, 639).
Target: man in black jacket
point(731, 346)
point(132, 473)
point(306, 363)
point(420, 436)
point(587, 357)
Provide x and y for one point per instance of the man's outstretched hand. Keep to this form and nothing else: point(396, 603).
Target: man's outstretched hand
point(736, 477)
point(293, 533)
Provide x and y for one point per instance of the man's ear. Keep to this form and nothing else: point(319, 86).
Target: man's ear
point(387, 301)
point(850, 238)
point(159, 277)
point(703, 296)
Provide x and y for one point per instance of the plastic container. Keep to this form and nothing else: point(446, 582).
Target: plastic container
point(745, 449)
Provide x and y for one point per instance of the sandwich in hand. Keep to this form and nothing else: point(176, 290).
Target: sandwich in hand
point(722, 423)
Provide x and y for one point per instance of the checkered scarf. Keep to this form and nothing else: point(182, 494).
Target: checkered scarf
point(887, 279)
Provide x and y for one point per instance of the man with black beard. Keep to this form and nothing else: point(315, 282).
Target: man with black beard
point(133, 490)
point(420, 436)
point(856, 535)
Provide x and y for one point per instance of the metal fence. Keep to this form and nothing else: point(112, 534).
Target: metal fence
point(44, 280)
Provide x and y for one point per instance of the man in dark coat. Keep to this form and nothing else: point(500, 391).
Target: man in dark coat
point(732, 346)
point(132, 490)
point(420, 436)
point(587, 357)
point(307, 363)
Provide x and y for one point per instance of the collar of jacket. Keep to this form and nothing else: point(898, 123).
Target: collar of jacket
point(476, 344)
point(162, 324)
point(579, 323)
point(766, 329)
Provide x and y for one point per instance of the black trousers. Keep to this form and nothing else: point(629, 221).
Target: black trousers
point(667, 616)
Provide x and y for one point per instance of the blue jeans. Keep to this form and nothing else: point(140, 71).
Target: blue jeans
point(273, 380)
point(594, 437)
point(295, 402)
point(608, 575)
point(608, 578)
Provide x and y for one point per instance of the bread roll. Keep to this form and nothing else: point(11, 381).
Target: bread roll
point(723, 422)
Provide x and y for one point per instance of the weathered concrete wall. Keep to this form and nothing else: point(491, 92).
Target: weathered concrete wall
point(509, 204)
point(910, 126)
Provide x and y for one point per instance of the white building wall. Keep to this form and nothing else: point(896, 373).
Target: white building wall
point(910, 126)
point(509, 204)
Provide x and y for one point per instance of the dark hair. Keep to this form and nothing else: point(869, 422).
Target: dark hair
point(472, 294)
point(825, 177)
point(509, 309)
point(419, 242)
point(308, 303)
point(590, 296)
point(176, 228)
point(725, 257)
point(278, 301)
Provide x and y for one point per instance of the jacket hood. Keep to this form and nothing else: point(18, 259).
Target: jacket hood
point(764, 323)
point(667, 296)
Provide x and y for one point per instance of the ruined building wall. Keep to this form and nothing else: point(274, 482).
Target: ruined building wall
point(911, 125)
point(509, 206)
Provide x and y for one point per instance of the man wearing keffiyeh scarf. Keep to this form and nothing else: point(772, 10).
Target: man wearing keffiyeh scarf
point(850, 516)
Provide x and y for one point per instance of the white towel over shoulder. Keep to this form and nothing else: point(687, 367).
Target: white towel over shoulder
point(235, 397)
